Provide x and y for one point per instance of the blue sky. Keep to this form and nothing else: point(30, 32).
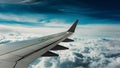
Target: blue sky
point(99, 19)
point(66, 11)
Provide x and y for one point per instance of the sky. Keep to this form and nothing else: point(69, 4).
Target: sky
point(98, 19)
point(41, 12)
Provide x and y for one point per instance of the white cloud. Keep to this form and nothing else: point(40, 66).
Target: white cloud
point(115, 63)
point(100, 52)
point(87, 51)
point(10, 1)
point(83, 31)
point(33, 30)
point(21, 18)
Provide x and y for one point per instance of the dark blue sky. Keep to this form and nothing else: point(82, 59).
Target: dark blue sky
point(87, 11)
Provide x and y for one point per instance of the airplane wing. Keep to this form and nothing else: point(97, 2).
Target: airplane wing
point(20, 54)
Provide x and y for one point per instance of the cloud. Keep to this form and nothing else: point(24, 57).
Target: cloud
point(115, 63)
point(24, 29)
point(20, 18)
point(36, 20)
point(85, 52)
point(32, 2)
point(10, 1)
point(55, 26)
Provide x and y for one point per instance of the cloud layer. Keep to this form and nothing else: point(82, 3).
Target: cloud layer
point(83, 53)
point(86, 52)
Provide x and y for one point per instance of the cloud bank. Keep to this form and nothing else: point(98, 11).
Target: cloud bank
point(85, 52)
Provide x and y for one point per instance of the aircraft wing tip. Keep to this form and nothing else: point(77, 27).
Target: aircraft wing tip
point(72, 28)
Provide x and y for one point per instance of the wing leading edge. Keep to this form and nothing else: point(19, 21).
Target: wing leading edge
point(21, 55)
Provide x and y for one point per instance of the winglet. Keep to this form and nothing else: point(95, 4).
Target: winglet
point(72, 28)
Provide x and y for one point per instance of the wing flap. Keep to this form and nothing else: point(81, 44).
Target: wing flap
point(49, 54)
point(68, 40)
point(59, 47)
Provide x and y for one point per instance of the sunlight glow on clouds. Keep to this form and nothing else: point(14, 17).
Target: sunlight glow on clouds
point(82, 30)
point(34, 30)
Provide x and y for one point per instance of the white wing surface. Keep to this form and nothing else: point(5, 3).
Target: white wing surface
point(21, 54)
